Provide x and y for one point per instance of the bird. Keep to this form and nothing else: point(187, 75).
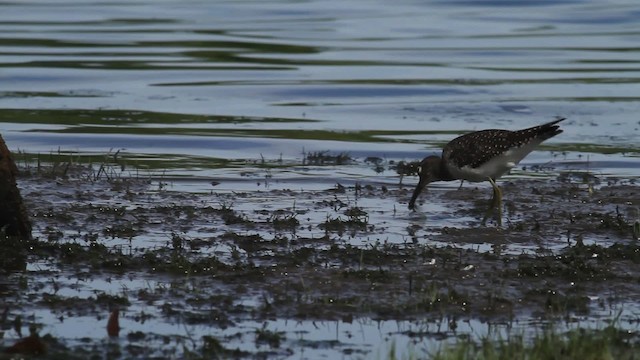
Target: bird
point(483, 155)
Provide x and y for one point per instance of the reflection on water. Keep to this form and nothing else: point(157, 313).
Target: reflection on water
point(207, 90)
point(364, 337)
point(239, 68)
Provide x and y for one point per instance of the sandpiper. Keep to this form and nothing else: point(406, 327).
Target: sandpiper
point(483, 155)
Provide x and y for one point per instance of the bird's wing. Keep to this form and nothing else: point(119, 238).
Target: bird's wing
point(476, 148)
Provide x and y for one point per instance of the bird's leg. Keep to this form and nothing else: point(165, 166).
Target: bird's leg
point(496, 203)
point(461, 182)
point(499, 202)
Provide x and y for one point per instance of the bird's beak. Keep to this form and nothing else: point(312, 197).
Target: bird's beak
point(421, 185)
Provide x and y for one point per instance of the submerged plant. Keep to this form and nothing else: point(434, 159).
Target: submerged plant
point(270, 337)
point(326, 158)
point(636, 227)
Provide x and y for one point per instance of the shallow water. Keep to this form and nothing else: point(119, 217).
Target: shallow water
point(225, 97)
point(170, 303)
point(233, 80)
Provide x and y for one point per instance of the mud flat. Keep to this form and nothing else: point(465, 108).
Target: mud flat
point(302, 269)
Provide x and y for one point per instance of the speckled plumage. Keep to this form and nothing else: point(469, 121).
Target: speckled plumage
point(483, 155)
point(476, 148)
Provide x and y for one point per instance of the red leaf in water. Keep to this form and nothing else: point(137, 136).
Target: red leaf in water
point(31, 345)
point(113, 325)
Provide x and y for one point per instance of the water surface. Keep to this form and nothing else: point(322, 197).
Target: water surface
point(238, 93)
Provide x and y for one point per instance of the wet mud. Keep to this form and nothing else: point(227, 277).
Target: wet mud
point(220, 259)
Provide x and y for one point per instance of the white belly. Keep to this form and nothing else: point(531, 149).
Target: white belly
point(494, 168)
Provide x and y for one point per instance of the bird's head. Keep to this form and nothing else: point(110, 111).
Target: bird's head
point(428, 171)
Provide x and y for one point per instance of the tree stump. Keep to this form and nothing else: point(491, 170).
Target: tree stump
point(15, 227)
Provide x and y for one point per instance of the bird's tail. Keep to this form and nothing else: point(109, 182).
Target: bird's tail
point(544, 131)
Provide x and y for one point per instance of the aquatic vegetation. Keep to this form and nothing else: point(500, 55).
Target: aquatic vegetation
point(215, 259)
point(606, 343)
point(266, 336)
point(326, 158)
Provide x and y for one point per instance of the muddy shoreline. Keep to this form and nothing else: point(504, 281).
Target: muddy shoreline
point(566, 251)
